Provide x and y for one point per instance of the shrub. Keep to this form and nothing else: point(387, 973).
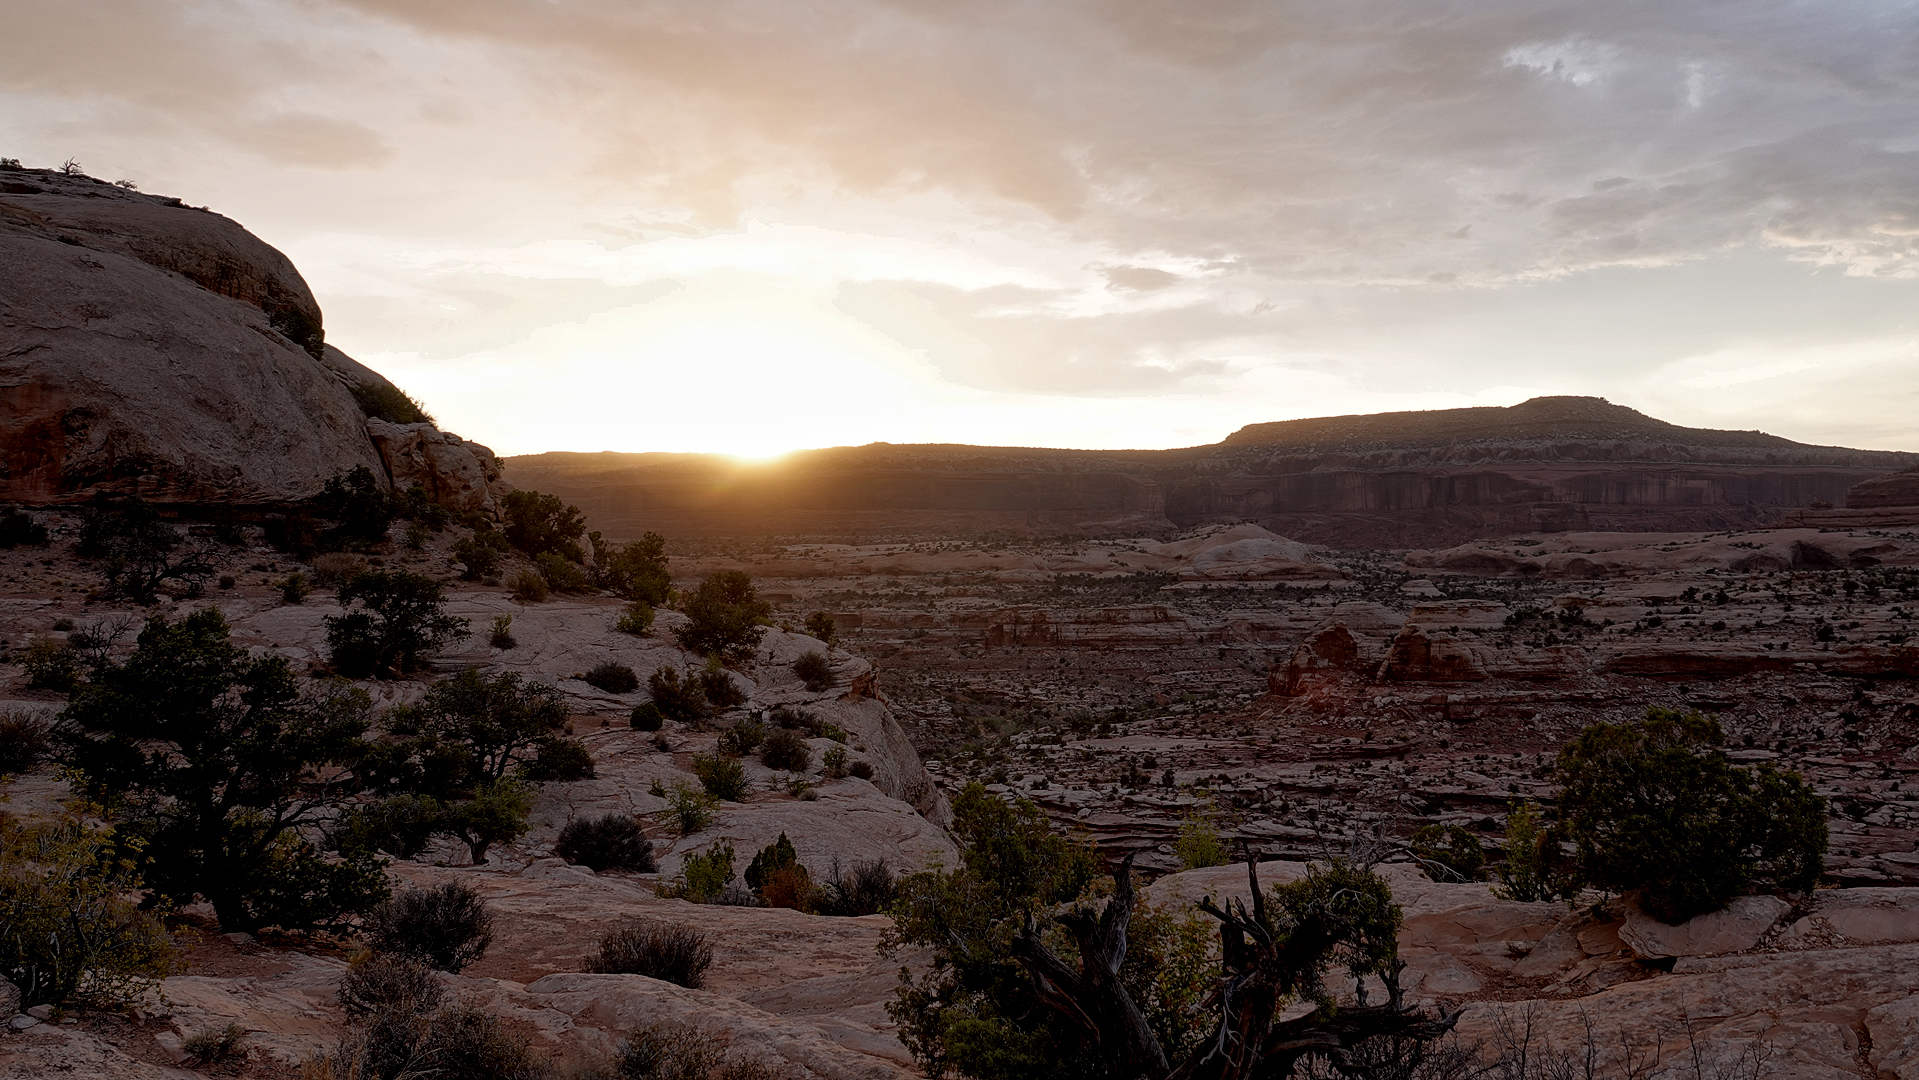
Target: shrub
point(501, 636)
point(689, 808)
point(820, 625)
point(678, 698)
point(833, 762)
point(537, 524)
point(378, 984)
point(51, 665)
point(774, 856)
point(496, 814)
point(336, 568)
point(722, 776)
point(447, 926)
point(742, 737)
point(469, 731)
point(477, 557)
point(637, 619)
point(672, 1053)
point(557, 759)
point(815, 671)
point(141, 551)
point(403, 826)
point(720, 689)
point(416, 535)
point(385, 401)
point(528, 587)
point(454, 1043)
point(777, 878)
point(635, 570)
point(294, 588)
point(1654, 805)
point(212, 1046)
point(727, 617)
point(647, 717)
point(1534, 868)
point(1199, 844)
point(69, 930)
point(614, 678)
point(612, 842)
point(203, 715)
point(866, 889)
point(19, 530)
point(401, 621)
point(359, 506)
point(703, 876)
point(675, 954)
point(785, 749)
point(561, 575)
point(861, 769)
point(23, 740)
point(1447, 853)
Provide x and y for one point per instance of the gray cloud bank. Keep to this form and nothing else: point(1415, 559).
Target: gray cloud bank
point(1180, 188)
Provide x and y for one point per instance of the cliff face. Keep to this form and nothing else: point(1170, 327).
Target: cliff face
point(1388, 480)
point(149, 348)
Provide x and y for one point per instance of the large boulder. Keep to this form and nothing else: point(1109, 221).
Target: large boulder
point(150, 348)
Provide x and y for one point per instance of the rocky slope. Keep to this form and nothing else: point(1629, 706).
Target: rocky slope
point(155, 349)
point(1387, 480)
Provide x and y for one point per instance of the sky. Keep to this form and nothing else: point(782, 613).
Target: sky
point(749, 226)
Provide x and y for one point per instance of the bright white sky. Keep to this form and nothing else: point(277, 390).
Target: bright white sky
point(754, 225)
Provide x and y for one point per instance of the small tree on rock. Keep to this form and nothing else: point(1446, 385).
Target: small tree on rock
point(401, 621)
point(727, 617)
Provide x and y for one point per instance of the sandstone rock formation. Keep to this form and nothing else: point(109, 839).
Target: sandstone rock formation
point(150, 348)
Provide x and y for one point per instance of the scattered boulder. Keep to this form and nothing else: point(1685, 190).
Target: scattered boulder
point(1735, 928)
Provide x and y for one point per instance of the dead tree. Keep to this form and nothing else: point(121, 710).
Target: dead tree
point(1257, 975)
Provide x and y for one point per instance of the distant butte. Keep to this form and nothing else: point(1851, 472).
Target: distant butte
point(1383, 480)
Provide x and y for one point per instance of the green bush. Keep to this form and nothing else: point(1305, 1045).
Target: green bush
point(528, 587)
point(833, 762)
point(677, 698)
point(610, 842)
point(636, 619)
point(385, 401)
point(612, 677)
point(726, 617)
point(786, 750)
point(647, 717)
point(815, 671)
point(775, 856)
point(561, 575)
point(1199, 844)
point(537, 524)
point(401, 621)
point(718, 687)
point(496, 814)
point(689, 808)
point(294, 588)
point(703, 876)
point(50, 665)
point(675, 954)
point(820, 625)
point(402, 826)
point(867, 888)
point(447, 926)
point(742, 737)
point(66, 929)
point(1534, 868)
point(559, 760)
point(377, 984)
point(477, 558)
point(635, 570)
point(211, 1046)
point(501, 635)
point(1447, 853)
point(191, 713)
point(23, 740)
point(861, 769)
point(721, 776)
point(359, 506)
point(1655, 806)
point(141, 552)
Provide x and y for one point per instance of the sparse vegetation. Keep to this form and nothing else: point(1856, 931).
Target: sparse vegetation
point(637, 619)
point(141, 552)
point(1534, 868)
point(646, 716)
point(785, 749)
point(722, 776)
point(479, 555)
point(613, 677)
point(1199, 844)
point(50, 665)
point(742, 737)
point(528, 586)
point(815, 671)
point(727, 617)
point(446, 927)
point(675, 954)
point(636, 570)
point(561, 575)
point(820, 625)
point(190, 713)
point(537, 524)
point(501, 636)
point(211, 1046)
point(689, 808)
point(400, 622)
point(1447, 853)
point(385, 401)
point(677, 698)
point(20, 530)
point(1655, 806)
point(23, 740)
point(703, 876)
point(610, 842)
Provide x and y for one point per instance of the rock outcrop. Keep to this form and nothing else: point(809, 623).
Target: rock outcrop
point(154, 349)
point(1386, 480)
